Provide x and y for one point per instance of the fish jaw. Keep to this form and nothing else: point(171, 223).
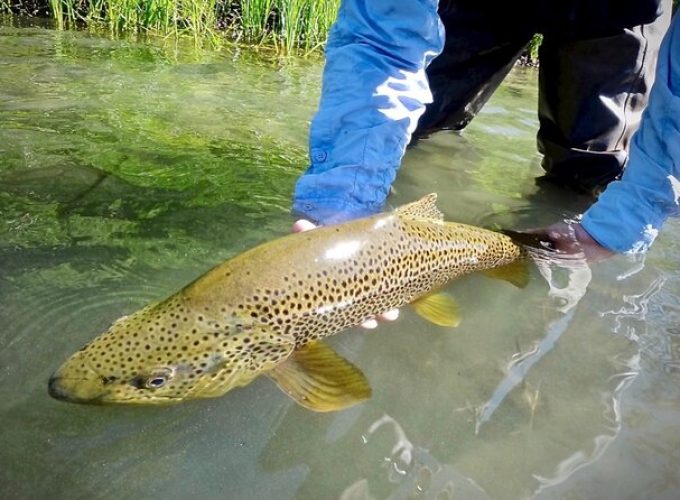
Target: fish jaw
point(83, 385)
point(76, 382)
point(202, 365)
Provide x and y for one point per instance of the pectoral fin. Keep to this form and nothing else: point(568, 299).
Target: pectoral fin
point(319, 379)
point(438, 308)
point(516, 272)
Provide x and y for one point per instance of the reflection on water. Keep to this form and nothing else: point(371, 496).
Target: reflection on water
point(128, 169)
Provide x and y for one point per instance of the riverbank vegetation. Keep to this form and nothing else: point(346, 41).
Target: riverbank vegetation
point(289, 25)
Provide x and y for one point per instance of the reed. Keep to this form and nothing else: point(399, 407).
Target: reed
point(56, 7)
point(534, 45)
point(256, 18)
point(309, 23)
point(292, 26)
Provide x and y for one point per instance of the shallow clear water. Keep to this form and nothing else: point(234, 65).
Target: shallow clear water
point(128, 169)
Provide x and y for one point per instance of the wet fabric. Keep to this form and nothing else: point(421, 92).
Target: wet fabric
point(375, 90)
point(629, 213)
point(596, 71)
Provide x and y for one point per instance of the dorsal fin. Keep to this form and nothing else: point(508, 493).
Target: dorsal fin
point(424, 208)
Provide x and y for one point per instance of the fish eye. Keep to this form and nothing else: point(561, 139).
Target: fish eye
point(156, 382)
point(158, 378)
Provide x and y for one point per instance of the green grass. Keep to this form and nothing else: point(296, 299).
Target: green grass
point(534, 45)
point(256, 17)
point(304, 24)
point(293, 26)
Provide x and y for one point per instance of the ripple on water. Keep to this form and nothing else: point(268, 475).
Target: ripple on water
point(127, 171)
point(50, 319)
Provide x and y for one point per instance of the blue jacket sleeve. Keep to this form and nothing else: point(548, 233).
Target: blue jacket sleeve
point(629, 213)
point(374, 91)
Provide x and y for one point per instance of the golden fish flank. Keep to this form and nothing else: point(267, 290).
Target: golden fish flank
point(265, 311)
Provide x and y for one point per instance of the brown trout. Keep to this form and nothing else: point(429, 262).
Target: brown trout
point(265, 311)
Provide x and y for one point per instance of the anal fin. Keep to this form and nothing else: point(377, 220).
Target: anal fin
point(438, 308)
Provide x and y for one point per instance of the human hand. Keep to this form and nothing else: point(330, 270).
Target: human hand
point(571, 240)
point(371, 323)
point(559, 248)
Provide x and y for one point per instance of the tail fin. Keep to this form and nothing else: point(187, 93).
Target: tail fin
point(533, 245)
point(516, 273)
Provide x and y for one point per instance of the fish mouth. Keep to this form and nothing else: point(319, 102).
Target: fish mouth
point(77, 385)
point(61, 389)
point(87, 391)
point(56, 390)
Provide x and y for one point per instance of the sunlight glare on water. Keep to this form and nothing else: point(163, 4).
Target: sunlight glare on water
point(128, 169)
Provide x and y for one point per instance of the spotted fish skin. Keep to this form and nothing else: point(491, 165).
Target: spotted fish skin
point(253, 312)
point(318, 283)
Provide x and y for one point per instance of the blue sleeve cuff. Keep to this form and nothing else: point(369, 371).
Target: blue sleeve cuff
point(326, 211)
point(629, 214)
point(374, 91)
point(622, 220)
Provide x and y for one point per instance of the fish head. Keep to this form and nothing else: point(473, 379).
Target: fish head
point(133, 362)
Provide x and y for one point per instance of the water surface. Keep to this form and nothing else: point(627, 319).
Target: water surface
point(127, 169)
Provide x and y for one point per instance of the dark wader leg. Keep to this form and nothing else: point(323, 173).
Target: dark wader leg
point(482, 45)
point(593, 87)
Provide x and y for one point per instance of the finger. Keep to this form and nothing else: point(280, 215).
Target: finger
point(390, 315)
point(303, 225)
point(370, 324)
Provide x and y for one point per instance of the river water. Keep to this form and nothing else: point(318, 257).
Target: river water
point(129, 168)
